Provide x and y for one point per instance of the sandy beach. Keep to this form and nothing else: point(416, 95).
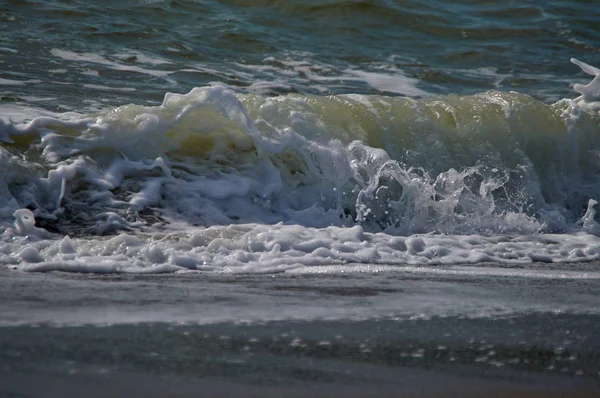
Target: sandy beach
point(190, 335)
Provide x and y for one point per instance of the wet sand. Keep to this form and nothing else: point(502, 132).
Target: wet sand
point(384, 335)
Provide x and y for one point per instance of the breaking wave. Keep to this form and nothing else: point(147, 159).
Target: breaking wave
point(489, 164)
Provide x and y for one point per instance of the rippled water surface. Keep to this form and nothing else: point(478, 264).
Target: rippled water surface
point(64, 53)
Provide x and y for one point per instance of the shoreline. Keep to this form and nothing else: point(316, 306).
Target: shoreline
point(72, 299)
point(356, 335)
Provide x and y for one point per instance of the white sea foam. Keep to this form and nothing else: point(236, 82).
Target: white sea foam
point(142, 58)
point(591, 92)
point(217, 182)
point(102, 60)
point(8, 50)
point(276, 248)
point(301, 67)
point(106, 88)
point(11, 82)
point(389, 83)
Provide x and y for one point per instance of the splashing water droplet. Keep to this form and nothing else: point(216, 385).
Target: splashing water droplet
point(24, 221)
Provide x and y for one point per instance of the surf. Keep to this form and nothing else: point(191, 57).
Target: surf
point(297, 180)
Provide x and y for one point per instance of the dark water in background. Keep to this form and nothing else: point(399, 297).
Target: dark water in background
point(138, 50)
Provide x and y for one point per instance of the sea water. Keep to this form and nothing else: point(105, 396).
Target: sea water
point(299, 192)
point(228, 137)
point(325, 140)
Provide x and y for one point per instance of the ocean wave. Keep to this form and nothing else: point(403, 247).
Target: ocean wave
point(488, 164)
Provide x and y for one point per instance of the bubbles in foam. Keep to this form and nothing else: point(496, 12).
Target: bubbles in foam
point(24, 222)
point(591, 91)
point(309, 180)
point(278, 248)
point(588, 222)
point(24, 225)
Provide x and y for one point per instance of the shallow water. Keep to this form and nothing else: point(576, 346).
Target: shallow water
point(359, 334)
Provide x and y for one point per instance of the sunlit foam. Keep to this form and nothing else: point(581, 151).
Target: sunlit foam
point(215, 181)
